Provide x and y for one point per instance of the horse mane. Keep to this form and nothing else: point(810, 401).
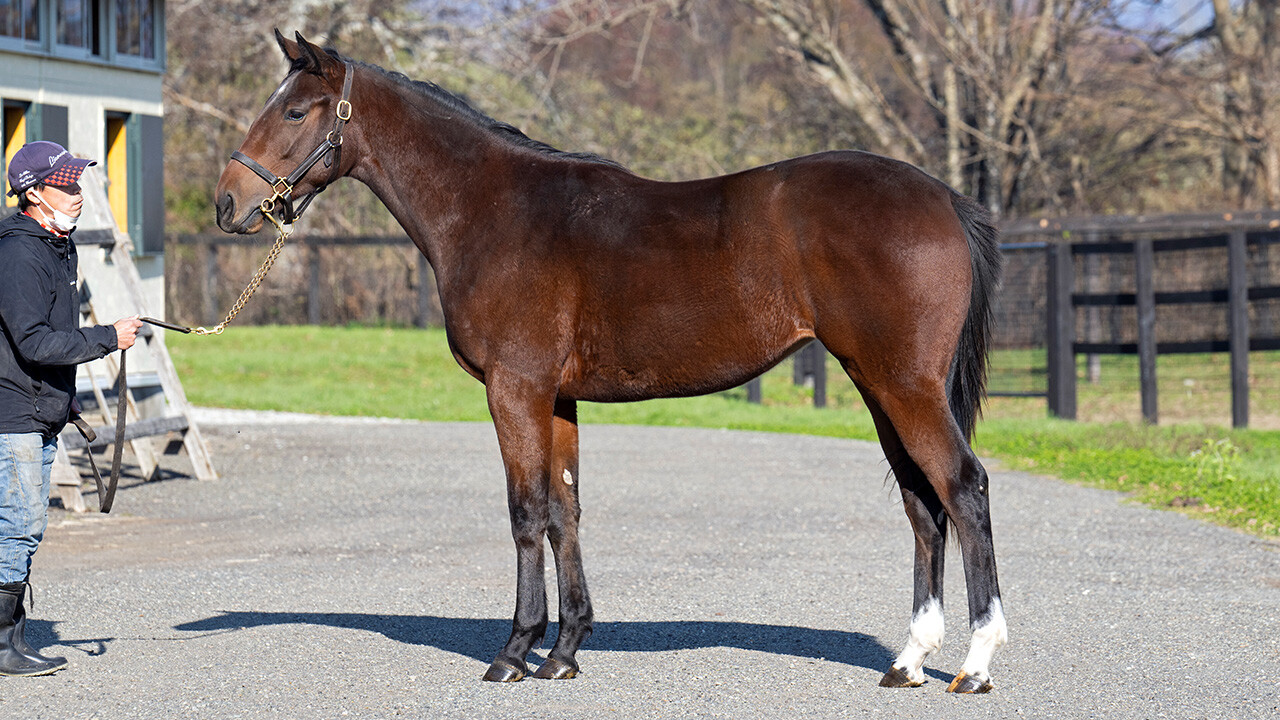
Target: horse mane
point(433, 92)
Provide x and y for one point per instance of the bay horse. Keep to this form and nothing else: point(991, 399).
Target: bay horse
point(564, 277)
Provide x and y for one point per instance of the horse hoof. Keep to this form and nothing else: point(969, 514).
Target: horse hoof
point(504, 672)
point(554, 669)
point(967, 684)
point(896, 678)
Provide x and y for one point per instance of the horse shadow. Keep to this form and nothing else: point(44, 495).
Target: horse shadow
point(480, 638)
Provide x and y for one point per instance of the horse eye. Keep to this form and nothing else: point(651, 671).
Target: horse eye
point(295, 114)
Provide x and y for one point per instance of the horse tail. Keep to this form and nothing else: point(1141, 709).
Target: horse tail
point(968, 379)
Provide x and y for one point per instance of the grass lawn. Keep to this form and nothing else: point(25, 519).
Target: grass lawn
point(1231, 477)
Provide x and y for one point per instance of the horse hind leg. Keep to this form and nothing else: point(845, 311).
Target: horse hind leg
point(562, 531)
point(942, 484)
point(934, 441)
point(986, 613)
point(929, 523)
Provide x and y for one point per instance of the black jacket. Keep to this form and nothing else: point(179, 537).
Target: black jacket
point(40, 318)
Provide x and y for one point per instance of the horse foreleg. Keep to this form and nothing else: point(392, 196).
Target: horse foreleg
point(522, 415)
point(562, 530)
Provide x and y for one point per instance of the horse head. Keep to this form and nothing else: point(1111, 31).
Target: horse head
point(301, 124)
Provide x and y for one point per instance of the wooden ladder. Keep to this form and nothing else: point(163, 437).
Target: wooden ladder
point(110, 281)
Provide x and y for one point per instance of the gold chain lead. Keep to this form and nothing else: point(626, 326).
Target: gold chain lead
point(252, 287)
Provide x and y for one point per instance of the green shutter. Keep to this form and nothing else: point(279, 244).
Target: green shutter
point(145, 153)
point(48, 122)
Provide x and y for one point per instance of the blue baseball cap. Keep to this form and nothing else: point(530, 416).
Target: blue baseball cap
point(44, 162)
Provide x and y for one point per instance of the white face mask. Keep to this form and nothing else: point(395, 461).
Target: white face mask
point(60, 221)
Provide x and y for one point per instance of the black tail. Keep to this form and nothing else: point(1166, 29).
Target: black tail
point(968, 378)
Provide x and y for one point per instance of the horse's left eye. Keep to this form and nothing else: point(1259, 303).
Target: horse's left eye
point(295, 114)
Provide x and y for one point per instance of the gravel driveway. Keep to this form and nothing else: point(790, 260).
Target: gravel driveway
point(355, 568)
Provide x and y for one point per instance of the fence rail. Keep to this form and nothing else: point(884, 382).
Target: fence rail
point(209, 248)
point(1232, 249)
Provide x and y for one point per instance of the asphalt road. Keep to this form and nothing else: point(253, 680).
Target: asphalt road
point(365, 569)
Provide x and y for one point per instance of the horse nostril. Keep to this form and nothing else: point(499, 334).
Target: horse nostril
point(226, 208)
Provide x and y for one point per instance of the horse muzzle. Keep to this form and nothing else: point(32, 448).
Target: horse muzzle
point(251, 222)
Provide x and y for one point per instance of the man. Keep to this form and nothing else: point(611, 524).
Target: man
point(43, 342)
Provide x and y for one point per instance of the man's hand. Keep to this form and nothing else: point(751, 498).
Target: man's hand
point(127, 331)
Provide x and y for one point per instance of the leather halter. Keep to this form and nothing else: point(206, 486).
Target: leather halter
point(330, 148)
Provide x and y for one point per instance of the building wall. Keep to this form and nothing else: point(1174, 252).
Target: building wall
point(88, 92)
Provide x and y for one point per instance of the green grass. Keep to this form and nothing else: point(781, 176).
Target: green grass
point(1226, 476)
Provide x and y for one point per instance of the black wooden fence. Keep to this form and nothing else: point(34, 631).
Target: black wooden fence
point(1232, 305)
point(207, 288)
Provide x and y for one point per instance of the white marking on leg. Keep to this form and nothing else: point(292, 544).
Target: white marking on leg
point(989, 633)
point(927, 629)
point(568, 477)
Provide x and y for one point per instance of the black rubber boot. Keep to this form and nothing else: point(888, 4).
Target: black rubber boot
point(19, 636)
point(13, 662)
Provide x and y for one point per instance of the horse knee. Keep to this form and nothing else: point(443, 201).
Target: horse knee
point(528, 521)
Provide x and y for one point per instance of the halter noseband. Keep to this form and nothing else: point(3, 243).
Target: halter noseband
point(282, 187)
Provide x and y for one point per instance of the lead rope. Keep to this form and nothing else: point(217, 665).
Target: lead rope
point(107, 493)
point(105, 500)
point(254, 282)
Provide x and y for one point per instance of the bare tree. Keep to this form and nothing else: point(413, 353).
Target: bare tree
point(1217, 67)
point(672, 89)
point(1243, 101)
point(993, 75)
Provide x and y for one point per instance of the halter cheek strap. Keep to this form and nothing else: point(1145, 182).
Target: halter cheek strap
point(330, 148)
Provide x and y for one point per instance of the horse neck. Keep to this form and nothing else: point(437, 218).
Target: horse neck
point(424, 181)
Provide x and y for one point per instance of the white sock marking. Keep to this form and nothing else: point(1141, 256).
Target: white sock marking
point(927, 630)
point(989, 634)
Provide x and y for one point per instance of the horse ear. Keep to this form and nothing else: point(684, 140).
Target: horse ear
point(290, 54)
point(318, 57)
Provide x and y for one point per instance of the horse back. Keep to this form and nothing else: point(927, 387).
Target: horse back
point(672, 289)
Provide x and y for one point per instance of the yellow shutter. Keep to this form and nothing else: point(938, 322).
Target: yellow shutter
point(15, 136)
point(118, 172)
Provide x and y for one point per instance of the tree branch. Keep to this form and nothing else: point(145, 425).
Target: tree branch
point(852, 90)
point(205, 108)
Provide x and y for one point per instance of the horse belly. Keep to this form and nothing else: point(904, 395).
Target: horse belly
point(679, 357)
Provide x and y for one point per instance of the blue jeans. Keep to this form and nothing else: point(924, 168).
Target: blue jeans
point(26, 462)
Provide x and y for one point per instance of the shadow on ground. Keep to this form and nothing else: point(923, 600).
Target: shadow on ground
point(481, 638)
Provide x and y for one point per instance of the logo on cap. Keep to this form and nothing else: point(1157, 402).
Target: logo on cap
point(53, 159)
